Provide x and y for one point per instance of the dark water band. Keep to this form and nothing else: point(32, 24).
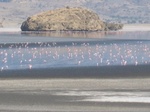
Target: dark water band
point(131, 71)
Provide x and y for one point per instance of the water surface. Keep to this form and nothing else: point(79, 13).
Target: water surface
point(28, 50)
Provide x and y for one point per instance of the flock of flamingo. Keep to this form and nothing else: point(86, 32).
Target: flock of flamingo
point(48, 55)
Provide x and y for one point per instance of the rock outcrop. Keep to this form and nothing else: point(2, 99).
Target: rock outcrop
point(65, 19)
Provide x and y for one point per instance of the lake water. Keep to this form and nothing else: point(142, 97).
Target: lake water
point(26, 50)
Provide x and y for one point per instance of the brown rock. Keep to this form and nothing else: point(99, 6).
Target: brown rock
point(64, 19)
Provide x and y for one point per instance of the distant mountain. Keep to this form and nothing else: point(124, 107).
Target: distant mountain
point(125, 11)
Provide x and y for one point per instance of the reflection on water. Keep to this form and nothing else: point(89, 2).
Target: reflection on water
point(89, 35)
point(73, 54)
point(30, 37)
point(83, 34)
point(107, 96)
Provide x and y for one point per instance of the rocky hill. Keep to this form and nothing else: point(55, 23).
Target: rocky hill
point(126, 11)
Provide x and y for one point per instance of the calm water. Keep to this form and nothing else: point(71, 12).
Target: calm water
point(46, 50)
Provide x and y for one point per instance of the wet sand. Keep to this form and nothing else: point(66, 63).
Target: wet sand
point(45, 95)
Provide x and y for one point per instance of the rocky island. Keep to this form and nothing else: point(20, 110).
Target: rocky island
point(67, 19)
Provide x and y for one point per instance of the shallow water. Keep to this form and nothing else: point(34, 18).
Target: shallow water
point(34, 50)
